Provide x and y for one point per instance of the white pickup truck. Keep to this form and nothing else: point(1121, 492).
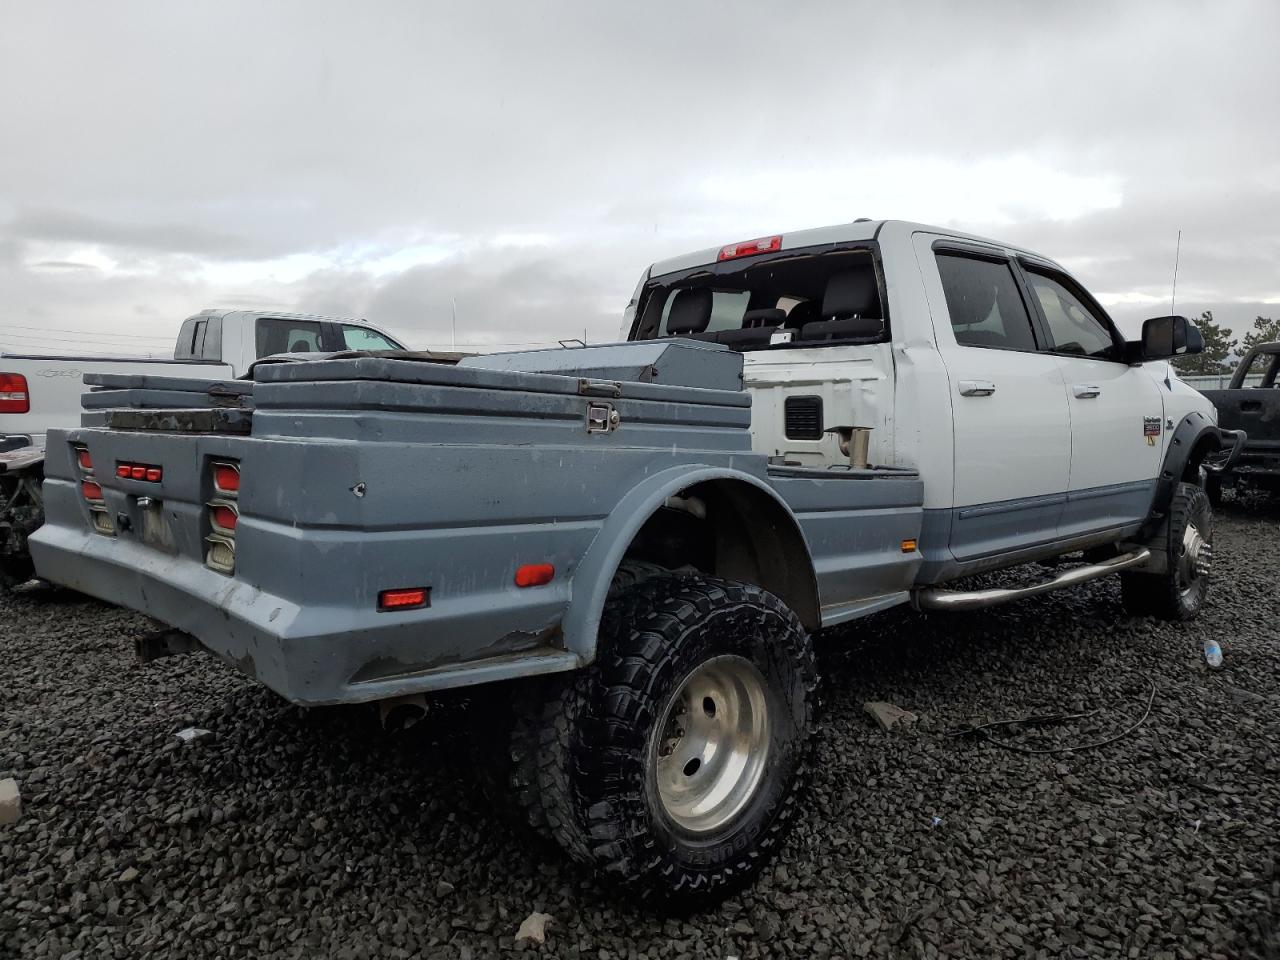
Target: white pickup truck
point(633, 543)
point(38, 393)
point(42, 393)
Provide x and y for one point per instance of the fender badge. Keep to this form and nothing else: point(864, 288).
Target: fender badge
point(1151, 428)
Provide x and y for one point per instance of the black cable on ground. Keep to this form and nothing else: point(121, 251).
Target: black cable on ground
point(983, 730)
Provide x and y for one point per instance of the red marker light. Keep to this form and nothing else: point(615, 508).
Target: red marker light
point(535, 574)
point(85, 461)
point(226, 478)
point(224, 517)
point(750, 248)
point(404, 599)
point(122, 470)
point(154, 474)
point(14, 397)
point(138, 472)
point(91, 490)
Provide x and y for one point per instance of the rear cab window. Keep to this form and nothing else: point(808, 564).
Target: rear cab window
point(805, 297)
point(190, 339)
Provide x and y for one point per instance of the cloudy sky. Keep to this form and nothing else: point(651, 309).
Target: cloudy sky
point(525, 161)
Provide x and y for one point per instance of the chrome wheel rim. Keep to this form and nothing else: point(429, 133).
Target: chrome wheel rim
point(711, 746)
point(1195, 558)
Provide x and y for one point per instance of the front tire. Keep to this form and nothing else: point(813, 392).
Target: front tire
point(1179, 592)
point(1213, 488)
point(686, 741)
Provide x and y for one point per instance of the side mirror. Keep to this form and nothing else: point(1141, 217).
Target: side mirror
point(1195, 339)
point(1165, 337)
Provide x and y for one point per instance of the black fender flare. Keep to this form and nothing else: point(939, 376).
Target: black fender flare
point(1194, 434)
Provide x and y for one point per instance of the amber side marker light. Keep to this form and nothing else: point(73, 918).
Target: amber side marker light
point(535, 575)
point(908, 546)
point(407, 598)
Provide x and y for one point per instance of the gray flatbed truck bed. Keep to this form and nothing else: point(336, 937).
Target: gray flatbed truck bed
point(399, 491)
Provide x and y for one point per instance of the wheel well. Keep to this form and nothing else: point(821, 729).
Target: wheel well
point(1206, 445)
point(735, 531)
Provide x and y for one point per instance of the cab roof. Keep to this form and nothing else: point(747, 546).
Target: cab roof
point(859, 230)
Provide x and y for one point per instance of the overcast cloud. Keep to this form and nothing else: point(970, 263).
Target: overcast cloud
point(526, 161)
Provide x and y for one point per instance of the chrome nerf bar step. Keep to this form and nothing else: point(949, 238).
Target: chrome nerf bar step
point(933, 598)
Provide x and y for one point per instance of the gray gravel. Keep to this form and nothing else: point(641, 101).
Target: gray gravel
point(299, 833)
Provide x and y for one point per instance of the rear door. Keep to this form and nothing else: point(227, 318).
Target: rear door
point(1117, 413)
point(1008, 402)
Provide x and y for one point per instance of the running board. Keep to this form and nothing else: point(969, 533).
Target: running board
point(931, 598)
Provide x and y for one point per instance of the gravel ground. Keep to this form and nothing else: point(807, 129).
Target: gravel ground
point(299, 833)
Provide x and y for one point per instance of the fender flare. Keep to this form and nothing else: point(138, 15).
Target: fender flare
point(1193, 433)
point(594, 572)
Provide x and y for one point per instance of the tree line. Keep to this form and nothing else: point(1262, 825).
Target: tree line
point(1220, 354)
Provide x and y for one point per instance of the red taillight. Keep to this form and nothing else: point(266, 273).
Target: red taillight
point(91, 490)
point(535, 574)
point(750, 248)
point(139, 471)
point(14, 397)
point(224, 517)
point(226, 478)
point(85, 461)
point(405, 599)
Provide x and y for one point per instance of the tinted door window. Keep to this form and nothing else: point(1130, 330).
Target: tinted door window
point(1266, 366)
point(362, 338)
point(287, 336)
point(985, 303)
point(1074, 327)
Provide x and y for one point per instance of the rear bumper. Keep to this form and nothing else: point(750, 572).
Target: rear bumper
point(312, 655)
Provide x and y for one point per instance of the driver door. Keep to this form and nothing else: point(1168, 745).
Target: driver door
point(1117, 413)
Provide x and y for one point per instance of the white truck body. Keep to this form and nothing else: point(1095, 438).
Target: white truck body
point(39, 394)
point(212, 344)
point(1061, 447)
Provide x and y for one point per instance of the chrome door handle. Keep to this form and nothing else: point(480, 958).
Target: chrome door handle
point(976, 388)
point(1086, 391)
